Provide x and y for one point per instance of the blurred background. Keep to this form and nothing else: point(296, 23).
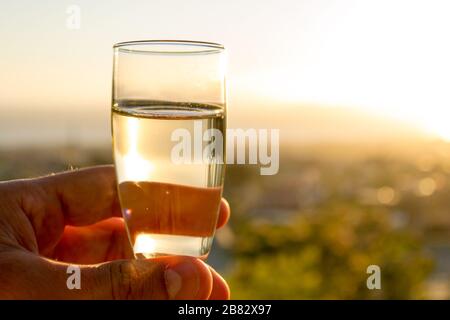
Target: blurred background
point(358, 89)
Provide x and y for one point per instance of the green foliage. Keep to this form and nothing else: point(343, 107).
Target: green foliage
point(324, 254)
point(337, 227)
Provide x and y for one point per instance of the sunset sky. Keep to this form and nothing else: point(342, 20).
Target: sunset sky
point(386, 57)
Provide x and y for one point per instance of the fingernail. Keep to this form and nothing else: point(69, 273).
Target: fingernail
point(181, 280)
point(173, 283)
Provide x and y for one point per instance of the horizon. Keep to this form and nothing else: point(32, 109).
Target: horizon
point(367, 56)
point(302, 124)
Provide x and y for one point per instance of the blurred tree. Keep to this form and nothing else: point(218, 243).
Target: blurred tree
point(324, 254)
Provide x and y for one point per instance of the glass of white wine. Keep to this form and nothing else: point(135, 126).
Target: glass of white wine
point(167, 95)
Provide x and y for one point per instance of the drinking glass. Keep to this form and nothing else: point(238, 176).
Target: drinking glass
point(168, 124)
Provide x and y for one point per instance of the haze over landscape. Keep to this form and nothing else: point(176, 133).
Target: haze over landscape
point(322, 69)
point(298, 125)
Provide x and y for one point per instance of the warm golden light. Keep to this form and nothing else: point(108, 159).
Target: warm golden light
point(438, 125)
point(144, 243)
point(426, 187)
point(136, 168)
point(385, 195)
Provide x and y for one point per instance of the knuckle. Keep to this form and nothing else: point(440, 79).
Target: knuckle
point(135, 279)
point(123, 278)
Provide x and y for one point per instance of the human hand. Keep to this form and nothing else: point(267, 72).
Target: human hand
point(48, 223)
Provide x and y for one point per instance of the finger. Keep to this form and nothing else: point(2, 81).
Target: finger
point(104, 241)
point(84, 196)
point(224, 213)
point(164, 208)
point(80, 197)
point(220, 289)
point(29, 276)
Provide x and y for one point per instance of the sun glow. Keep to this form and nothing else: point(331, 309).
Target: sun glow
point(388, 57)
point(135, 167)
point(439, 126)
point(144, 244)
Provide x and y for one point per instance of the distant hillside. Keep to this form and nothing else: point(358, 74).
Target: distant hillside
point(317, 124)
point(299, 124)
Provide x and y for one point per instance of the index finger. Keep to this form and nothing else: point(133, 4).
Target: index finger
point(89, 195)
point(83, 196)
point(77, 198)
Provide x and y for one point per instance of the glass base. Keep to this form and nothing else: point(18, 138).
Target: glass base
point(150, 245)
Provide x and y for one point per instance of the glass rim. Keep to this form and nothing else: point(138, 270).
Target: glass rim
point(169, 47)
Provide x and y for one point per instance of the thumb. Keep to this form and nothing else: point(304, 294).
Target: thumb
point(34, 277)
point(160, 278)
